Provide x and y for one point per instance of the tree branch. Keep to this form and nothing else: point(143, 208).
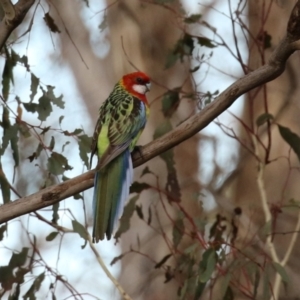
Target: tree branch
point(13, 17)
point(187, 129)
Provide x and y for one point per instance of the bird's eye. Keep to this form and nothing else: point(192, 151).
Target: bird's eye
point(139, 80)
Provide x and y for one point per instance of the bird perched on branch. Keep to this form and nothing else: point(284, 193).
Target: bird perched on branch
point(122, 118)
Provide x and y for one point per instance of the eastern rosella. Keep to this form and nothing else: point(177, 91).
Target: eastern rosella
point(122, 118)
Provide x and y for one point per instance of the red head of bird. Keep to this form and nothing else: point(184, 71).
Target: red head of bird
point(137, 84)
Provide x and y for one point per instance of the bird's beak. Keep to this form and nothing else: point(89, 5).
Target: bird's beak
point(148, 86)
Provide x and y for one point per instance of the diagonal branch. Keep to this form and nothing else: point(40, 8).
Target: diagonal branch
point(187, 129)
point(13, 17)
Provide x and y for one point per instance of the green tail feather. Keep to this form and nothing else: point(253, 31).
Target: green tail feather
point(109, 195)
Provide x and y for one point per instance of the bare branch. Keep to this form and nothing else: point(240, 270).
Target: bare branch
point(46, 197)
point(187, 129)
point(14, 16)
point(8, 9)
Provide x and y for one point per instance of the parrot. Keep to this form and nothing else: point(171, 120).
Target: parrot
point(122, 118)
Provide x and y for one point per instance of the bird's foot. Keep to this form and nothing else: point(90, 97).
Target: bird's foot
point(138, 149)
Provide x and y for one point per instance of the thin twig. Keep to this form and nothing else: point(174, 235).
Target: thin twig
point(108, 274)
point(268, 219)
point(264, 200)
point(277, 281)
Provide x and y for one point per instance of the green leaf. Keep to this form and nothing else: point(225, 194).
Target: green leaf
point(183, 47)
point(5, 118)
point(60, 119)
point(195, 69)
point(19, 259)
point(78, 131)
point(10, 136)
point(52, 143)
point(84, 144)
point(55, 100)
point(291, 138)
point(162, 261)
point(3, 228)
point(199, 290)
point(267, 228)
point(5, 186)
point(127, 214)
point(16, 58)
point(64, 146)
point(103, 24)
point(205, 42)
point(35, 287)
point(7, 74)
point(256, 283)
point(6, 277)
point(44, 108)
point(262, 119)
point(192, 18)
point(75, 132)
point(188, 289)
point(164, 1)
point(207, 265)
point(58, 164)
point(35, 81)
point(138, 187)
point(281, 271)
point(51, 236)
point(229, 294)
point(185, 290)
point(45, 130)
point(266, 283)
point(30, 107)
point(24, 130)
point(190, 250)
point(178, 231)
point(37, 152)
point(170, 102)
point(80, 229)
point(53, 295)
point(55, 214)
point(149, 215)
point(50, 23)
point(77, 196)
point(5, 125)
point(208, 97)
point(265, 38)
point(39, 149)
point(171, 60)
point(162, 129)
point(139, 211)
point(14, 138)
point(225, 280)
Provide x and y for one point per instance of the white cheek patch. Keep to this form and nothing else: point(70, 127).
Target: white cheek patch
point(139, 88)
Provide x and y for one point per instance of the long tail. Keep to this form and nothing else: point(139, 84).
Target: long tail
point(110, 194)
